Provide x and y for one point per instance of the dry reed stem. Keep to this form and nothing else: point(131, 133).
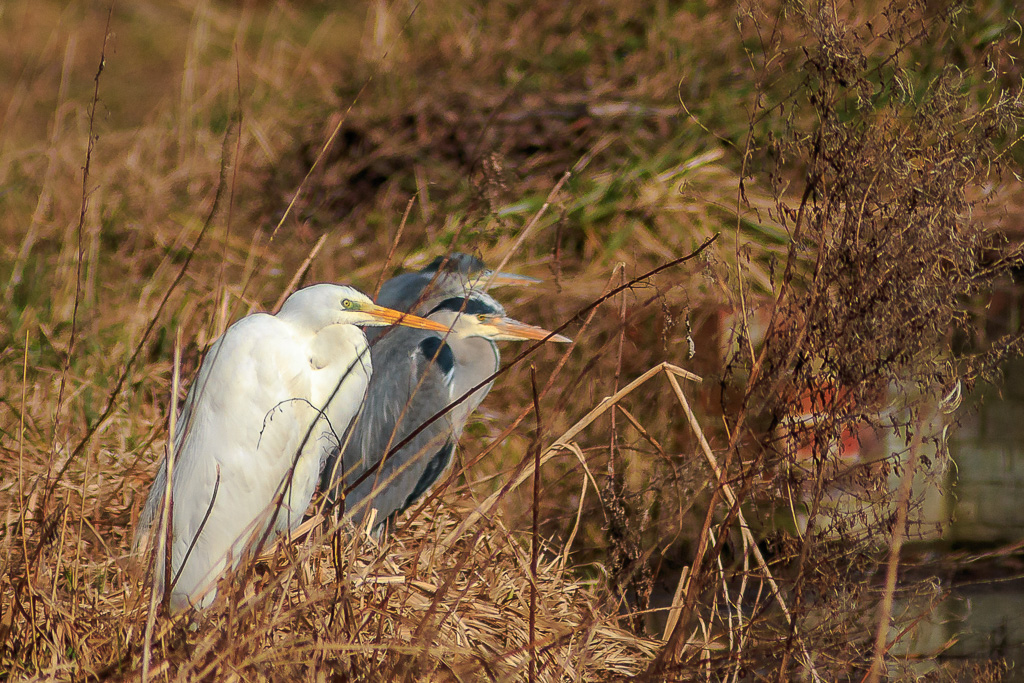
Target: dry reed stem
point(300, 272)
point(903, 494)
point(535, 529)
point(731, 498)
point(676, 608)
point(319, 158)
point(580, 164)
point(5, 627)
point(579, 510)
point(394, 247)
point(561, 443)
point(163, 530)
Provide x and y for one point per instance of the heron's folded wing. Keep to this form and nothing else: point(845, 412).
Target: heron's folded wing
point(411, 384)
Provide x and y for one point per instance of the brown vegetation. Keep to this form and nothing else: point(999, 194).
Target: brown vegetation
point(855, 160)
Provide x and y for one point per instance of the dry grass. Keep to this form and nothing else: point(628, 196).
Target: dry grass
point(663, 555)
point(344, 606)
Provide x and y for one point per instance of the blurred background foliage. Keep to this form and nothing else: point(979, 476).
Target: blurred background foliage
point(258, 142)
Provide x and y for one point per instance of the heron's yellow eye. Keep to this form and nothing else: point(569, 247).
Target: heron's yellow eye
point(346, 304)
point(482, 317)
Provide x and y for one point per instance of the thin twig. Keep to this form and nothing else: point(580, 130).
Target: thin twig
point(115, 392)
point(334, 134)
point(676, 608)
point(535, 535)
point(300, 272)
point(199, 531)
point(394, 247)
point(616, 533)
point(580, 164)
point(732, 499)
point(79, 230)
point(164, 533)
point(562, 442)
point(895, 544)
point(90, 146)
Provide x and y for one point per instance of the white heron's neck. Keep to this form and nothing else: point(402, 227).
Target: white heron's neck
point(325, 343)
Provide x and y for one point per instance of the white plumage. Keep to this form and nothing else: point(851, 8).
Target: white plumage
point(271, 401)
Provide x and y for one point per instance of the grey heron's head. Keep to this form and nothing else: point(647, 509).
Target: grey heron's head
point(458, 272)
point(321, 305)
point(455, 262)
point(477, 314)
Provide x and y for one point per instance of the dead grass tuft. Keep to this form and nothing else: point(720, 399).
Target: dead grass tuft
point(446, 610)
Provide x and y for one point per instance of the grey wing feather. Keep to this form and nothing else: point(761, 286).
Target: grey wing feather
point(148, 516)
point(397, 403)
point(437, 466)
point(402, 291)
point(149, 511)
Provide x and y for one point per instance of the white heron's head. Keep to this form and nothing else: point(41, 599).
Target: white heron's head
point(478, 314)
point(321, 305)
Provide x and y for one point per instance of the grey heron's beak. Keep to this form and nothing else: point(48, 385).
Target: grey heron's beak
point(513, 330)
point(388, 316)
point(490, 279)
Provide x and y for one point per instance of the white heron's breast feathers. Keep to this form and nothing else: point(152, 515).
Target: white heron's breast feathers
point(263, 411)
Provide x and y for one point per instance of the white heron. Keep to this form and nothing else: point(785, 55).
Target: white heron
point(270, 403)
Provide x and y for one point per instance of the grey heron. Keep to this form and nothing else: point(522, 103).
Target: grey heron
point(266, 409)
point(455, 273)
point(418, 375)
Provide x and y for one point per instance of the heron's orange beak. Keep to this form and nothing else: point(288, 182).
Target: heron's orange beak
point(511, 330)
point(394, 317)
